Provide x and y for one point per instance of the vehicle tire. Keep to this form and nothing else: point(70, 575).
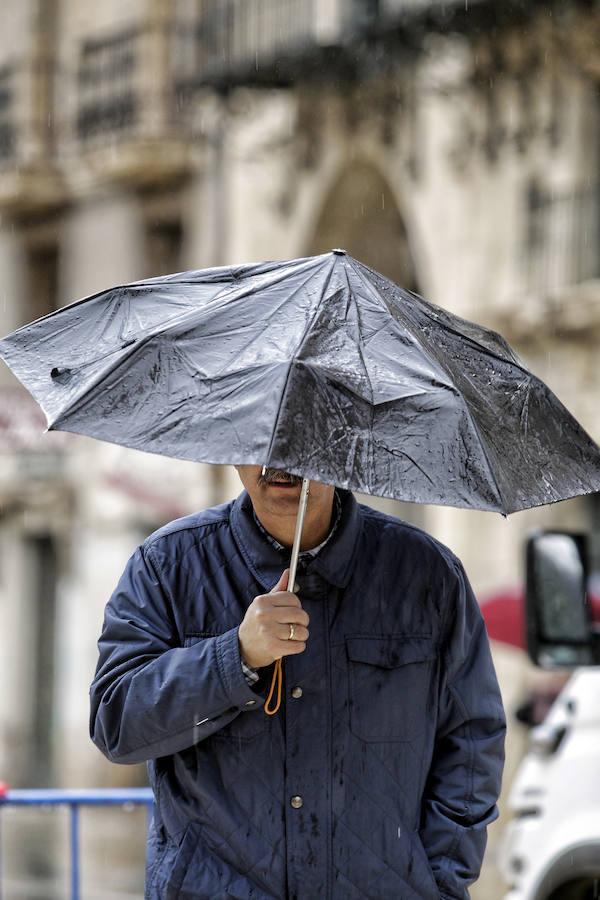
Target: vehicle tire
point(578, 889)
point(574, 876)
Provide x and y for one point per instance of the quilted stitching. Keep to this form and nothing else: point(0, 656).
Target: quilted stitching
point(356, 834)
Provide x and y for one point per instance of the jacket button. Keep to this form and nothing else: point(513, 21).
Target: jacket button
point(296, 692)
point(250, 702)
point(296, 801)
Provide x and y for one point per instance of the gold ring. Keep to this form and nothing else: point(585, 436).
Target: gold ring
point(291, 637)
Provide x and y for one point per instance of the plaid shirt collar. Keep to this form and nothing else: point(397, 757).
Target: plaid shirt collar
point(306, 554)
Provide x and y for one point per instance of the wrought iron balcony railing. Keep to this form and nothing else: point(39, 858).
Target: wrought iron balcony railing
point(108, 85)
point(239, 39)
point(28, 179)
point(562, 241)
point(126, 121)
point(26, 123)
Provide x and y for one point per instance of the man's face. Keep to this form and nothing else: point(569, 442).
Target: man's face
point(276, 493)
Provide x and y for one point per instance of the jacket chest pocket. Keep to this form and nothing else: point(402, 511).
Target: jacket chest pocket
point(390, 686)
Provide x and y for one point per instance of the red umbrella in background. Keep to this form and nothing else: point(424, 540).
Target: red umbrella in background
point(504, 616)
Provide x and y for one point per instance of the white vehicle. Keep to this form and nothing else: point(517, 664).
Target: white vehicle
point(552, 845)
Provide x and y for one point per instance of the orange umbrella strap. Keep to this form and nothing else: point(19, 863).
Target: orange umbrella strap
point(277, 679)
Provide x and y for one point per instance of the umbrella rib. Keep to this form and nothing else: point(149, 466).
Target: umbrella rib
point(293, 359)
point(371, 449)
point(222, 296)
point(374, 292)
point(130, 286)
point(382, 301)
point(446, 325)
point(272, 313)
point(135, 346)
point(486, 350)
point(188, 312)
point(225, 293)
point(359, 346)
point(235, 272)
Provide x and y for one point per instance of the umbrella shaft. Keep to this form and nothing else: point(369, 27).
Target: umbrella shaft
point(298, 533)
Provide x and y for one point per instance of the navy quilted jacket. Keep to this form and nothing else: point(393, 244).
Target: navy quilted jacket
point(380, 772)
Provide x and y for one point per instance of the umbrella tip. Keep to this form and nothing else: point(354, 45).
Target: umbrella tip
point(339, 252)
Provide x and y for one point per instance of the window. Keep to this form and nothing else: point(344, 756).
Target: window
point(163, 247)
point(40, 584)
point(42, 278)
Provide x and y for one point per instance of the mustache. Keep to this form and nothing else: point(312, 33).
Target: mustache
point(268, 476)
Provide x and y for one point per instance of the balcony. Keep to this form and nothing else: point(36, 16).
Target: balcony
point(254, 41)
point(29, 183)
point(125, 123)
point(558, 255)
point(562, 242)
point(231, 42)
point(107, 86)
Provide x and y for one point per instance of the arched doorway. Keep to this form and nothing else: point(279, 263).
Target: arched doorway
point(360, 214)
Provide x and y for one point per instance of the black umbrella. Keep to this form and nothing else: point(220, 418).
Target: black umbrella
point(320, 366)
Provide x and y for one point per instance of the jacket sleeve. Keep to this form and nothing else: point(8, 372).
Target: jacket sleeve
point(150, 696)
point(466, 770)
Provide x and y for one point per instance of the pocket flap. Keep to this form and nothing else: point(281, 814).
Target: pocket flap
point(390, 652)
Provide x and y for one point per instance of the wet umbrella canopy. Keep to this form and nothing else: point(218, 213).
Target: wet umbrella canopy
point(320, 366)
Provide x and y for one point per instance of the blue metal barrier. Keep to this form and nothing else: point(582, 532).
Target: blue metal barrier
point(74, 799)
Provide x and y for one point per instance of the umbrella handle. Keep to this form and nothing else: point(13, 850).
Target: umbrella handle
point(277, 679)
point(298, 533)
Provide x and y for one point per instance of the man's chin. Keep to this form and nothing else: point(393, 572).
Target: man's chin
point(282, 498)
point(282, 489)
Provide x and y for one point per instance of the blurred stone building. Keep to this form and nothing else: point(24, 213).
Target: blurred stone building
point(454, 146)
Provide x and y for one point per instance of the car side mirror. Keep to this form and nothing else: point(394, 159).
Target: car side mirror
point(558, 619)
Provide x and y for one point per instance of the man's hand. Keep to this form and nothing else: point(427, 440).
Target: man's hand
point(264, 634)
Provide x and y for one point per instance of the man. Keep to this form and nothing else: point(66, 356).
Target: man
point(379, 773)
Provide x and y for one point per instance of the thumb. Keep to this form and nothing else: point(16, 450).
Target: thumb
point(282, 583)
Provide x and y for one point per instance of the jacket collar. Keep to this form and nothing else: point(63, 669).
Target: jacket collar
point(334, 562)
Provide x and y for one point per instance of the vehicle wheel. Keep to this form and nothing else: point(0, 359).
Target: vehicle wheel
point(587, 888)
point(575, 875)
